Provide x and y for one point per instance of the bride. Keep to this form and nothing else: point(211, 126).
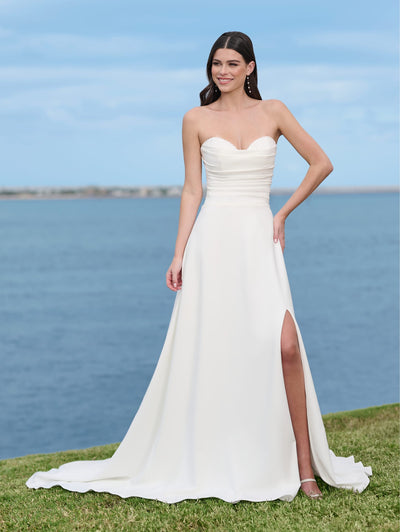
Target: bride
point(231, 410)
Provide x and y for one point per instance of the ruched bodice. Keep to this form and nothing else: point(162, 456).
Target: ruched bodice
point(235, 175)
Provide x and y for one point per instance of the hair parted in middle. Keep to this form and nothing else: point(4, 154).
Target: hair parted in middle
point(241, 43)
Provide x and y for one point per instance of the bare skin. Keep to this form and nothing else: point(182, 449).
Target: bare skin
point(240, 119)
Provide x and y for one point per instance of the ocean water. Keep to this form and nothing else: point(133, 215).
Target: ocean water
point(84, 309)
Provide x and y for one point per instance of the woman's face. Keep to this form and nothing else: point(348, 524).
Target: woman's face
point(229, 69)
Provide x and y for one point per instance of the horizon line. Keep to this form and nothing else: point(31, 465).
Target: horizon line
point(146, 191)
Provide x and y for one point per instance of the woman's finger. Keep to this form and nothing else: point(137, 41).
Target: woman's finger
point(169, 279)
point(276, 234)
point(174, 276)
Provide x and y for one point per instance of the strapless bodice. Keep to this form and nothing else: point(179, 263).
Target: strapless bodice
point(238, 176)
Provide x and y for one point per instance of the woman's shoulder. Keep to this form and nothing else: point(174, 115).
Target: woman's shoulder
point(273, 104)
point(275, 109)
point(194, 117)
point(194, 113)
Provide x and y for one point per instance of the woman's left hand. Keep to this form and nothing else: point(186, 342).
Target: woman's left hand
point(279, 229)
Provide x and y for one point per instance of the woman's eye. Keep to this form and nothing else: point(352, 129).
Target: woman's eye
point(230, 64)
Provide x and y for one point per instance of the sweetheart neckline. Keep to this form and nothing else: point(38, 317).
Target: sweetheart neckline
point(240, 149)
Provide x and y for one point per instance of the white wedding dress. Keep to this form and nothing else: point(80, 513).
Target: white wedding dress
point(214, 421)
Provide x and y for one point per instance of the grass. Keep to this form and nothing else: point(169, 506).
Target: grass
point(371, 435)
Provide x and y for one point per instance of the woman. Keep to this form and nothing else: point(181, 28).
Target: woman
point(231, 410)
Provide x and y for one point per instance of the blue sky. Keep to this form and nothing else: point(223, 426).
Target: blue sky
point(92, 92)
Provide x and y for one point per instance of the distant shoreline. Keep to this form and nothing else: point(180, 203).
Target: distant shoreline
point(159, 191)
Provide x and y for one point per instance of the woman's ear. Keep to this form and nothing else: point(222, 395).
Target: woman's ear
point(250, 67)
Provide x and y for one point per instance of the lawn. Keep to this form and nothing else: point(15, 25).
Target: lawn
point(371, 435)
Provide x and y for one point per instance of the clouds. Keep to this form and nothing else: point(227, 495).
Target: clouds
point(63, 47)
point(372, 41)
point(94, 96)
point(329, 84)
point(114, 98)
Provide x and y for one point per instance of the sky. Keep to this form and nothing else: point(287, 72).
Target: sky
point(93, 92)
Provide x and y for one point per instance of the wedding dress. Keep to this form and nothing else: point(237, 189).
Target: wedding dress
point(214, 421)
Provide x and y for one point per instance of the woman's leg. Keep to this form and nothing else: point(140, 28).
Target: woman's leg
point(296, 396)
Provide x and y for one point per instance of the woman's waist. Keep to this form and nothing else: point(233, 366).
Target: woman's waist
point(226, 198)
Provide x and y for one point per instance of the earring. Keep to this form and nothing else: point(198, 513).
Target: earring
point(248, 84)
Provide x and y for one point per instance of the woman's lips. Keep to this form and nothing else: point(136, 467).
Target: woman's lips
point(224, 80)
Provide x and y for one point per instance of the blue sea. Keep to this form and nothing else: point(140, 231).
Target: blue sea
point(84, 309)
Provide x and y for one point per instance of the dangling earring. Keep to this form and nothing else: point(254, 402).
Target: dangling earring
point(248, 84)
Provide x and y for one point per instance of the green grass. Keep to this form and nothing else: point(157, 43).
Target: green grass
point(371, 435)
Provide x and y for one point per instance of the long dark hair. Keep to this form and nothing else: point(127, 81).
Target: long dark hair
point(241, 43)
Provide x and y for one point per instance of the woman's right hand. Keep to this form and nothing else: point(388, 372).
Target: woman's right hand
point(279, 229)
point(174, 274)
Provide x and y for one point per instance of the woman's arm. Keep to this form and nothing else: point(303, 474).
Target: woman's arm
point(191, 196)
point(307, 147)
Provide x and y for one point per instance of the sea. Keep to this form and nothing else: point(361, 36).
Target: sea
point(84, 309)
